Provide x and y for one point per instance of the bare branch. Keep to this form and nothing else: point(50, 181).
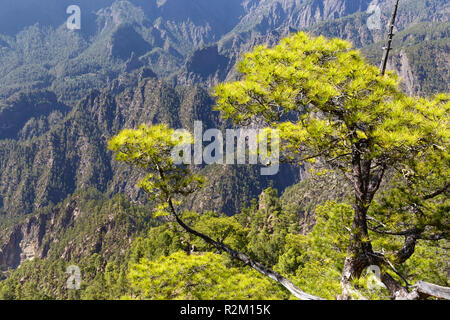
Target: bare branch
point(238, 255)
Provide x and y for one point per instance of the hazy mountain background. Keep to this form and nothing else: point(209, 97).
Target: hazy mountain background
point(64, 93)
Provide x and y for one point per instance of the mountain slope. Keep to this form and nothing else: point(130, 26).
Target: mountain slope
point(64, 93)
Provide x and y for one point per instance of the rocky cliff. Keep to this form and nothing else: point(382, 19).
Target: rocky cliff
point(150, 62)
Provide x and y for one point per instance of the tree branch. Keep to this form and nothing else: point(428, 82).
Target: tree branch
point(438, 192)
